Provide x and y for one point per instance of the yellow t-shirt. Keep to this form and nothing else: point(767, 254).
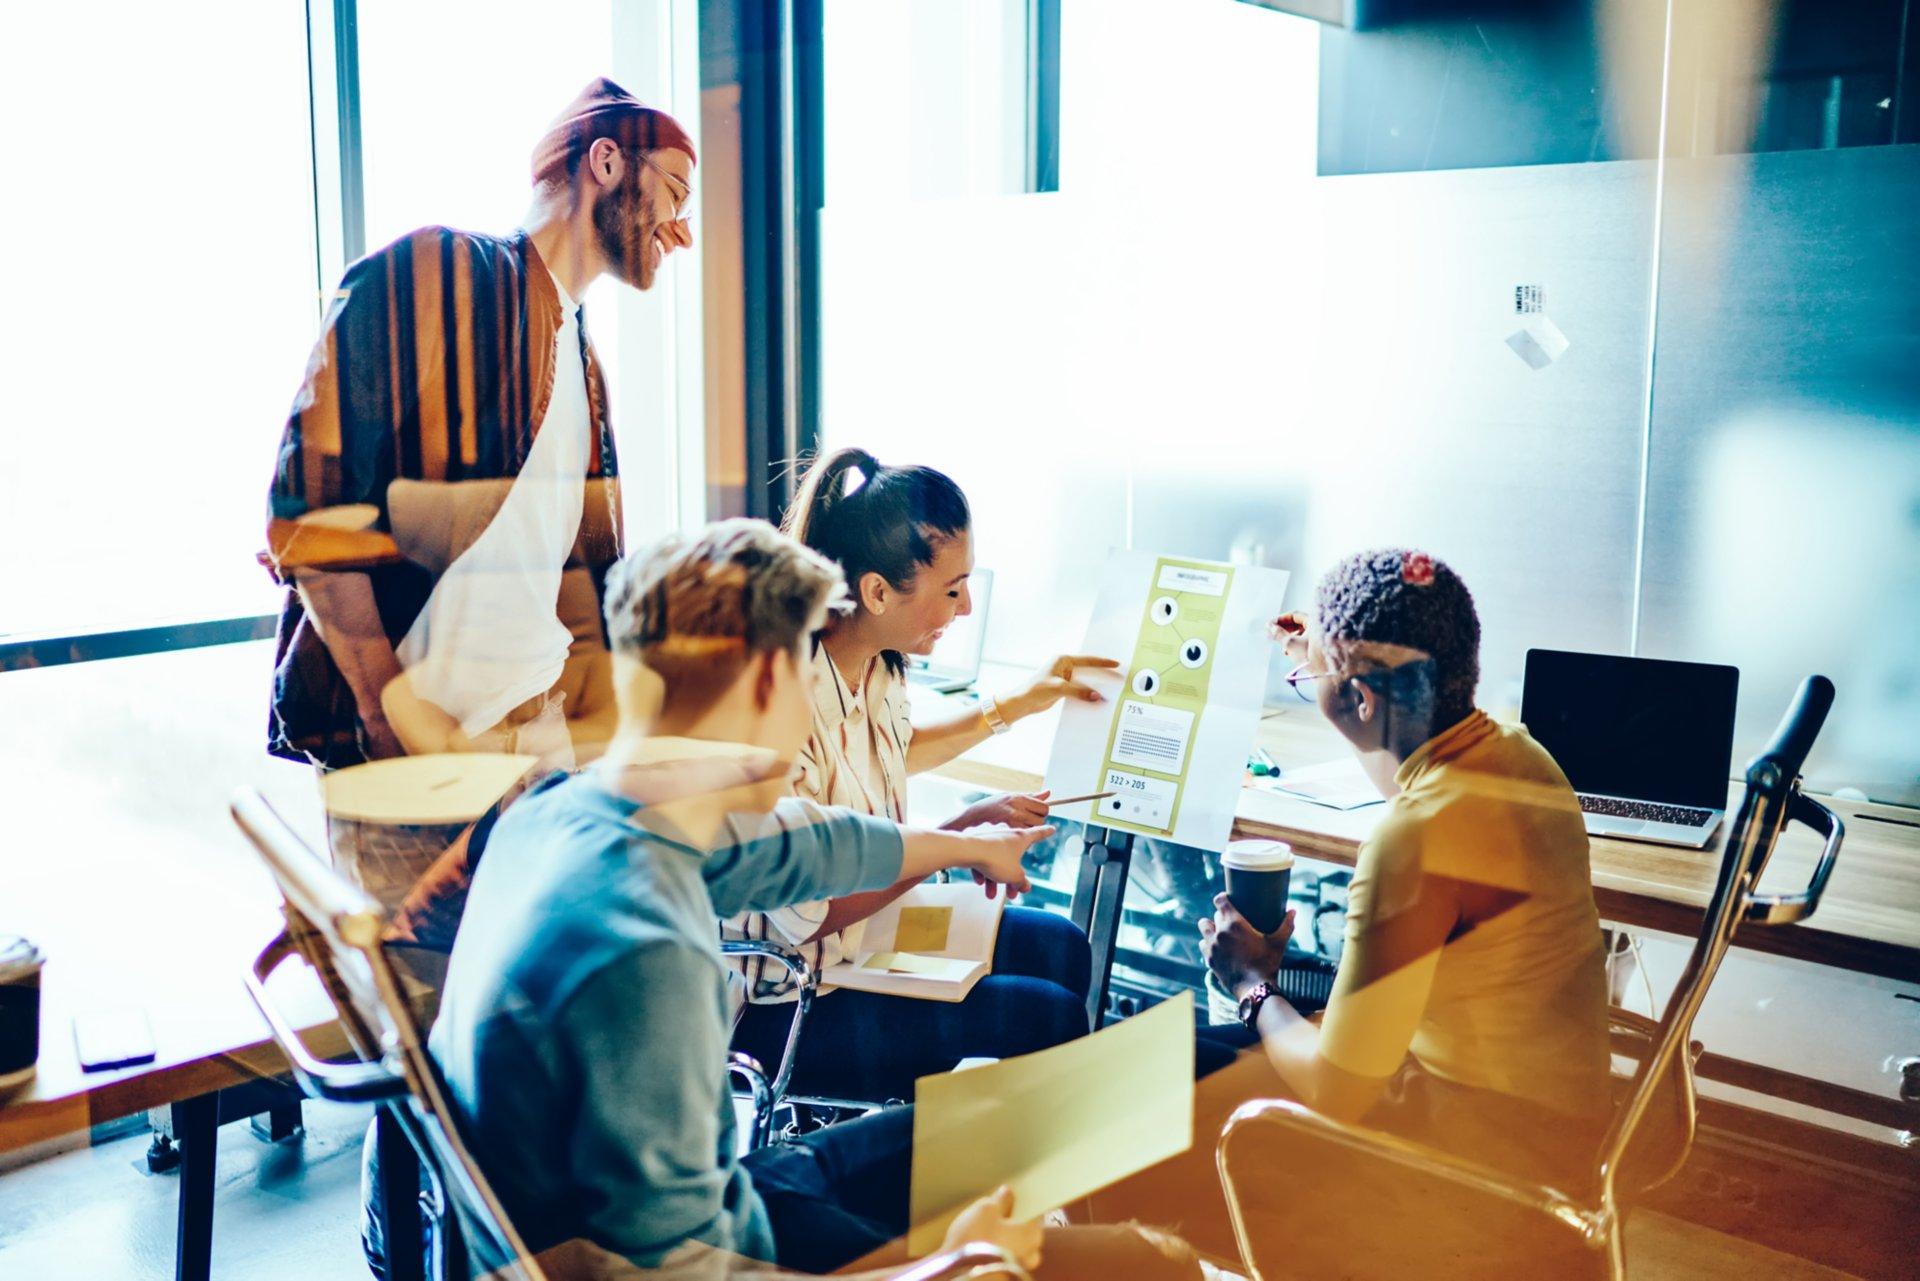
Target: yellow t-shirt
point(1516, 1003)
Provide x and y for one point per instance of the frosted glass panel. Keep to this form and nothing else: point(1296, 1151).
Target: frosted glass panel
point(1783, 530)
point(1199, 346)
point(1386, 406)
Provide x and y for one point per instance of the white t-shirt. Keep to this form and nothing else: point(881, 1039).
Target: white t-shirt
point(489, 638)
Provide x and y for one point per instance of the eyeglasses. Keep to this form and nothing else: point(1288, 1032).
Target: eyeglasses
point(684, 188)
point(1299, 678)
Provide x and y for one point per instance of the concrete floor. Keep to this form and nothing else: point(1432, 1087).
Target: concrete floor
point(285, 1211)
point(290, 1212)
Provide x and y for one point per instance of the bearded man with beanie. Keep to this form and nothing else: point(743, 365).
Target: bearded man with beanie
point(454, 377)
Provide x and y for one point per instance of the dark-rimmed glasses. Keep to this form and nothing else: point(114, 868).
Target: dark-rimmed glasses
point(1299, 678)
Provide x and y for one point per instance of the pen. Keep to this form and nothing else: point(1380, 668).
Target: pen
point(1071, 800)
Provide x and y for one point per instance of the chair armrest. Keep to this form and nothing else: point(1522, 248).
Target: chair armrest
point(779, 953)
point(1586, 1223)
point(806, 981)
point(1785, 909)
point(354, 1082)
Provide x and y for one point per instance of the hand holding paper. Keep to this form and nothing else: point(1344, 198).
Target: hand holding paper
point(990, 1221)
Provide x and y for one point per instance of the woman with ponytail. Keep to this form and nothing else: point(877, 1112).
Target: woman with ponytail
point(903, 538)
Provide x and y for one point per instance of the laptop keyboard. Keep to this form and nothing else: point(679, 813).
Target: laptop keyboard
point(1649, 811)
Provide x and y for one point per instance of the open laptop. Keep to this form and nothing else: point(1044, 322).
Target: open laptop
point(954, 664)
point(1647, 743)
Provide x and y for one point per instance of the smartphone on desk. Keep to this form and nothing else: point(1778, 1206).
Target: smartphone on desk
point(113, 1039)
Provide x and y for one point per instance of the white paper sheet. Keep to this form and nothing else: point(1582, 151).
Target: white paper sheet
point(1172, 737)
point(1337, 784)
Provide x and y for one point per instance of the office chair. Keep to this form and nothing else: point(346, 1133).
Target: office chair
point(1580, 1228)
point(337, 930)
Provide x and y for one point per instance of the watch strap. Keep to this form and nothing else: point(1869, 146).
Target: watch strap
point(1249, 1010)
point(990, 711)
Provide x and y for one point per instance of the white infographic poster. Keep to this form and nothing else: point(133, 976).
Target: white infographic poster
point(1171, 741)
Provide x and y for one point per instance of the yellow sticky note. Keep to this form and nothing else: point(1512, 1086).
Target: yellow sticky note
point(1056, 1125)
point(923, 929)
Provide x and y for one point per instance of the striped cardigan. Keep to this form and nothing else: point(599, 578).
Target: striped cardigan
point(436, 363)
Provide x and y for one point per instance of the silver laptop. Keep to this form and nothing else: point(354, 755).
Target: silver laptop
point(954, 664)
point(1647, 743)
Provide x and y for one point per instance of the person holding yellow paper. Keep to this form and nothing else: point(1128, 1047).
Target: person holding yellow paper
point(582, 1035)
point(903, 538)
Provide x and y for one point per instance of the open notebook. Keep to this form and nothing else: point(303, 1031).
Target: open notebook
point(934, 942)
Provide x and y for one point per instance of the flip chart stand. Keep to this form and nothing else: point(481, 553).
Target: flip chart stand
point(1099, 901)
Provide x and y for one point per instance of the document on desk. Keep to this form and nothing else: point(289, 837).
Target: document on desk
point(1337, 784)
point(1054, 1126)
point(1171, 740)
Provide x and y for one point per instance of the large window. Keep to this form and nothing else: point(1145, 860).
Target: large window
point(454, 94)
point(163, 294)
point(167, 298)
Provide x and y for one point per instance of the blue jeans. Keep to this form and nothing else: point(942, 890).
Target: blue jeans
point(864, 1046)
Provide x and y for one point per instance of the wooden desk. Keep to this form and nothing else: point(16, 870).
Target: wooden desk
point(1868, 921)
point(117, 857)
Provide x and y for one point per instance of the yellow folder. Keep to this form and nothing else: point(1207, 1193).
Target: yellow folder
point(1056, 1125)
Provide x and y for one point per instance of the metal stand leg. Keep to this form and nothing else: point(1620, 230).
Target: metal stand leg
point(196, 1129)
point(400, 1200)
point(1099, 900)
point(277, 1125)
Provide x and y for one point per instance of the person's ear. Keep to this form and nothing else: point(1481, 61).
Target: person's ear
point(765, 678)
point(876, 593)
point(1365, 699)
point(605, 162)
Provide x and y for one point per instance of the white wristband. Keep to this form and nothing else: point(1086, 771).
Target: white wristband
point(990, 709)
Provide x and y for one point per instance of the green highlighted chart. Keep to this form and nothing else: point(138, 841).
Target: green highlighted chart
point(1148, 749)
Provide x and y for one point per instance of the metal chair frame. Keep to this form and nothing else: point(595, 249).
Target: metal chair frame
point(1772, 799)
point(770, 1091)
point(337, 930)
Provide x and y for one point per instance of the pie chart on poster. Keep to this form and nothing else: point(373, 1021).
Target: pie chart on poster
point(1194, 653)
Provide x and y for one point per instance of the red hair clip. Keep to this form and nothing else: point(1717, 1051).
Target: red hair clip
point(1416, 569)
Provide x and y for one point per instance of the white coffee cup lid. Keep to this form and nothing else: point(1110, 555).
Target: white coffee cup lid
point(18, 958)
point(1257, 856)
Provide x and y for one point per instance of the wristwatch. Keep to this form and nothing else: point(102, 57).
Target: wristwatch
point(990, 710)
point(1250, 1005)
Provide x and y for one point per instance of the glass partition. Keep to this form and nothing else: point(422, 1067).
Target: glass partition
point(1647, 396)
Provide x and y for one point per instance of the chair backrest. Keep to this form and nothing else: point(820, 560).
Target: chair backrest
point(1771, 799)
point(338, 930)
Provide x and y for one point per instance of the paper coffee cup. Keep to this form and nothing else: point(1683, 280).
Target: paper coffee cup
point(20, 963)
point(1258, 873)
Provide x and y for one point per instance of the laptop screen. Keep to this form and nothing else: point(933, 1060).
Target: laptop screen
point(1641, 728)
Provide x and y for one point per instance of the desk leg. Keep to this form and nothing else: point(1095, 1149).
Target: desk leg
point(196, 1130)
point(400, 1198)
point(1099, 900)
